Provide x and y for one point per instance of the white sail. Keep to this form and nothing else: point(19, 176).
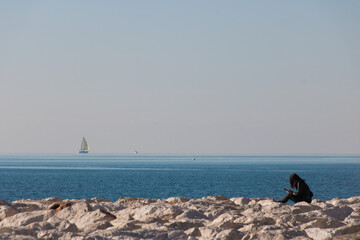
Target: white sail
point(84, 146)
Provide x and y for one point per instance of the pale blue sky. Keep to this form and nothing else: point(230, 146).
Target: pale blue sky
point(277, 77)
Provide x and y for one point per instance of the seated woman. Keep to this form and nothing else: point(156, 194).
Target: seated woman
point(303, 191)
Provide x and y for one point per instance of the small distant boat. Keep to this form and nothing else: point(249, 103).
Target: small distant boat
point(84, 146)
point(136, 152)
point(194, 159)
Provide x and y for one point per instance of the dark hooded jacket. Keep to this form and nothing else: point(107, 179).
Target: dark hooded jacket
point(303, 192)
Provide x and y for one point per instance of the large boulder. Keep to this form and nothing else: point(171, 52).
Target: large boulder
point(25, 218)
point(7, 211)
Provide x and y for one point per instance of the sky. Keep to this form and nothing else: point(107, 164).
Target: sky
point(242, 77)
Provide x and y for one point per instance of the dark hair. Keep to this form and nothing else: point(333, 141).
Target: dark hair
point(293, 179)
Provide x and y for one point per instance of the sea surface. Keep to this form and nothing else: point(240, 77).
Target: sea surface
point(39, 176)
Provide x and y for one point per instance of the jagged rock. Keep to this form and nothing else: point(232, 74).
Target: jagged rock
point(154, 226)
point(225, 221)
point(5, 230)
point(73, 211)
point(24, 218)
point(347, 229)
point(49, 235)
point(29, 205)
point(2, 202)
point(81, 215)
point(155, 211)
point(229, 234)
point(97, 200)
point(176, 200)
point(319, 233)
point(294, 233)
point(303, 207)
point(93, 220)
point(184, 225)
point(207, 233)
point(66, 226)
point(339, 213)
point(177, 235)
point(18, 237)
point(107, 206)
point(17, 233)
point(151, 234)
point(240, 201)
point(195, 232)
point(26, 206)
point(215, 198)
point(179, 218)
point(354, 236)
point(6, 211)
point(135, 202)
point(192, 214)
point(58, 206)
point(40, 226)
point(324, 223)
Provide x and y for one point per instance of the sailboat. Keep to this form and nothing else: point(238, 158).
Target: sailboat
point(84, 146)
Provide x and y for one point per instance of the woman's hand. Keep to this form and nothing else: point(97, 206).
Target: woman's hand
point(288, 191)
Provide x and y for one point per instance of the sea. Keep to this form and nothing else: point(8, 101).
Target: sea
point(111, 176)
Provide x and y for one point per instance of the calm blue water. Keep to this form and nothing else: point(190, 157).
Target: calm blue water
point(38, 176)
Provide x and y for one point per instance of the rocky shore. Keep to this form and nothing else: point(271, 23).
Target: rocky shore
point(179, 218)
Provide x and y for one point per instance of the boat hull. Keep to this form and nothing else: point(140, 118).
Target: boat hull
point(83, 151)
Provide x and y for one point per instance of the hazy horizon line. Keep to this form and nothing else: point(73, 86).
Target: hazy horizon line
point(194, 154)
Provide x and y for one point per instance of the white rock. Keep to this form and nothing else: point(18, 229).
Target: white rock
point(23, 231)
point(6, 211)
point(152, 226)
point(5, 230)
point(269, 205)
point(241, 200)
point(207, 233)
point(154, 211)
point(177, 200)
point(318, 233)
point(149, 210)
point(192, 214)
point(229, 234)
point(181, 218)
point(29, 205)
point(323, 223)
point(304, 207)
point(215, 198)
point(37, 226)
point(184, 225)
point(177, 235)
point(338, 202)
point(71, 212)
point(195, 232)
point(23, 219)
point(135, 202)
point(66, 226)
point(225, 221)
point(89, 221)
point(339, 212)
point(353, 200)
point(107, 206)
point(348, 229)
